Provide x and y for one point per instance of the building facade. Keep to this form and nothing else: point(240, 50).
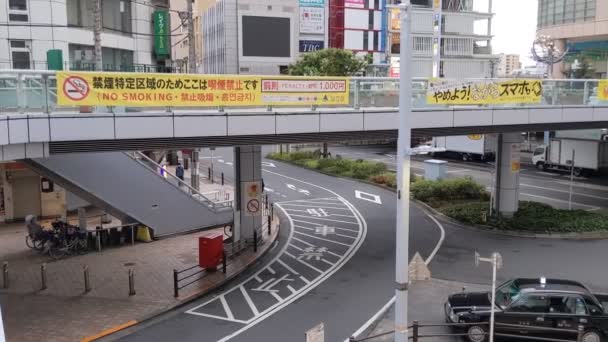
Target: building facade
point(250, 36)
point(30, 28)
point(579, 27)
point(464, 52)
point(507, 64)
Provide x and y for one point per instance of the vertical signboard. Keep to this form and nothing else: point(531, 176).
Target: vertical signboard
point(161, 33)
point(252, 201)
point(312, 20)
point(515, 158)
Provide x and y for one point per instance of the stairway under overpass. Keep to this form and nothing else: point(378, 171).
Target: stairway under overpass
point(132, 191)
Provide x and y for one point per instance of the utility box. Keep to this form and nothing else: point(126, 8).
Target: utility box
point(210, 250)
point(435, 169)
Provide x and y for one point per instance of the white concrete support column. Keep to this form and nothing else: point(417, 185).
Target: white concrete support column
point(507, 173)
point(247, 170)
point(194, 175)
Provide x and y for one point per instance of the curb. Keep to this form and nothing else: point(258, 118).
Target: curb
point(512, 233)
point(186, 300)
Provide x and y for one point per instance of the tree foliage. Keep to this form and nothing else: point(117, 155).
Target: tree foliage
point(328, 62)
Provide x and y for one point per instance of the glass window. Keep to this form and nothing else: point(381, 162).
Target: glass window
point(19, 5)
point(539, 151)
point(507, 294)
point(20, 54)
point(531, 303)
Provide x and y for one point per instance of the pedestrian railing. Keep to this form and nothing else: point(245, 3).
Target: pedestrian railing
point(153, 166)
point(416, 335)
point(188, 276)
point(25, 91)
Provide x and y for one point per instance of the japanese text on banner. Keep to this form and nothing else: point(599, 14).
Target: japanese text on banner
point(166, 90)
point(453, 92)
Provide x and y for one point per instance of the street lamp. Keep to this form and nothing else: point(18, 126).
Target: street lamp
point(496, 261)
point(403, 175)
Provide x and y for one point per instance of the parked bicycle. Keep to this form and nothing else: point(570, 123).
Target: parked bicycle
point(64, 239)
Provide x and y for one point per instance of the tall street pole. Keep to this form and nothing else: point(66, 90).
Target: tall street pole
point(403, 176)
point(437, 27)
point(97, 36)
point(191, 44)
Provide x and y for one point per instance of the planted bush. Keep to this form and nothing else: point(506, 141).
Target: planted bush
point(437, 192)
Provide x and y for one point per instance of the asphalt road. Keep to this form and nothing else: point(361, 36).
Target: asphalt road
point(349, 287)
point(548, 187)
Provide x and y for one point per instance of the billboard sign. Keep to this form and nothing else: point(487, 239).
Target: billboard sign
point(312, 3)
point(173, 90)
point(311, 45)
point(161, 33)
point(312, 20)
point(354, 3)
point(461, 92)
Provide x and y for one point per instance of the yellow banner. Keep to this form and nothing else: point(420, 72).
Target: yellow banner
point(195, 90)
point(454, 92)
point(602, 90)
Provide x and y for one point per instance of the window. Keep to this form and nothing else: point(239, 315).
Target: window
point(558, 12)
point(20, 54)
point(17, 10)
point(531, 303)
point(539, 151)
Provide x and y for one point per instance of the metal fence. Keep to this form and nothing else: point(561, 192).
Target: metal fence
point(417, 333)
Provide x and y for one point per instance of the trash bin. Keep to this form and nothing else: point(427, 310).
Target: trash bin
point(435, 169)
point(210, 250)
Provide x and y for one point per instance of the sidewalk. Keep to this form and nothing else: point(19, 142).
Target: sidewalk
point(63, 312)
point(426, 300)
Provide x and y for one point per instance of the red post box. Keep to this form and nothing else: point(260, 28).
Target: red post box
point(210, 250)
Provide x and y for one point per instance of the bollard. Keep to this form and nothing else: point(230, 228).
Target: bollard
point(98, 238)
point(5, 275)
point(266, 202)
point(579, 337)
point(43, 276)
point(209, 170)
point(269, 225)
point(131, 283)
point(222, 178)
point(175, 286)
point(224, 262)
point(87, 279)
point(415, 331)
point(255, 241)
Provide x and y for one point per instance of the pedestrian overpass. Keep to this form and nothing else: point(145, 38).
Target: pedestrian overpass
point(56, 138)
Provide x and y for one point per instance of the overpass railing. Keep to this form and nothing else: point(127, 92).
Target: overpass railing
point(35, 91)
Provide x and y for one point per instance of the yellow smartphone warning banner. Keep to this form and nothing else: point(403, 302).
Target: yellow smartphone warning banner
point(196, 90)
point(602, 90)
point(455, 92)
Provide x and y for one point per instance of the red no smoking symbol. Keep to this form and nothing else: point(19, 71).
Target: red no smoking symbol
point(253, 206)
point(75, 88)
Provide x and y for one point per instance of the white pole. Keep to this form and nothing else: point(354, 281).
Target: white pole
point(571, 182)
point(212, 171)
point(494, 262)
point(2, 337)
point(403, 176)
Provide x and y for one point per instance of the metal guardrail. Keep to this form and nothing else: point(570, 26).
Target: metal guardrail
point(23, 91)
point(416, 335)
point(154, 167)
point(195, 273)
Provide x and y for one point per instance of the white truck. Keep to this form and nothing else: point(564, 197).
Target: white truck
point(590, 156)
point(468, 147)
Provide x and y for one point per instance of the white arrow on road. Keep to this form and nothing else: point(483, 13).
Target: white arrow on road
point(294, 188)
point(267, 286)
point(269, 164)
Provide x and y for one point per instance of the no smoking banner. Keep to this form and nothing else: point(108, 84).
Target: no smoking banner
point(76, 88)
point(251, 198)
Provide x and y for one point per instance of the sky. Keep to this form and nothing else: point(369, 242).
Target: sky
point(513, 27)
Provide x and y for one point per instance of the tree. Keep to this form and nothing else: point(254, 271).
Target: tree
point(328, 62)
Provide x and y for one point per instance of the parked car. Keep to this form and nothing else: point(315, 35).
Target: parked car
point(526, 304)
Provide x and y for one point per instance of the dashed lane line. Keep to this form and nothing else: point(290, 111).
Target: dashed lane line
point(324, 219)
point(310, 206)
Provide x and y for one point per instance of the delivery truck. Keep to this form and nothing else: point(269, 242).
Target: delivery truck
point(468, 147)
point(590, 156)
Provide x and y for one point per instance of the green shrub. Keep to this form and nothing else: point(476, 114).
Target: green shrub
point(449, 190)
point(470, 213)
point(311, 164)
point(387, 179)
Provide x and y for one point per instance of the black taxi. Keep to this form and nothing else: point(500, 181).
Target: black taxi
point(525, 304)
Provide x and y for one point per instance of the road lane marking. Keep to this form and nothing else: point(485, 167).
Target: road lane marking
point(353, 248)
point(303, 262)
point(316, 224)
point(270, 270)
point(323, 219)
point(308, 206)
point(336, 234)
point(287, 267)
point(318, 238)
point(368, 197)
point(563, 191)
point(591, 207)
point(249, 301)
point(229, 314)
